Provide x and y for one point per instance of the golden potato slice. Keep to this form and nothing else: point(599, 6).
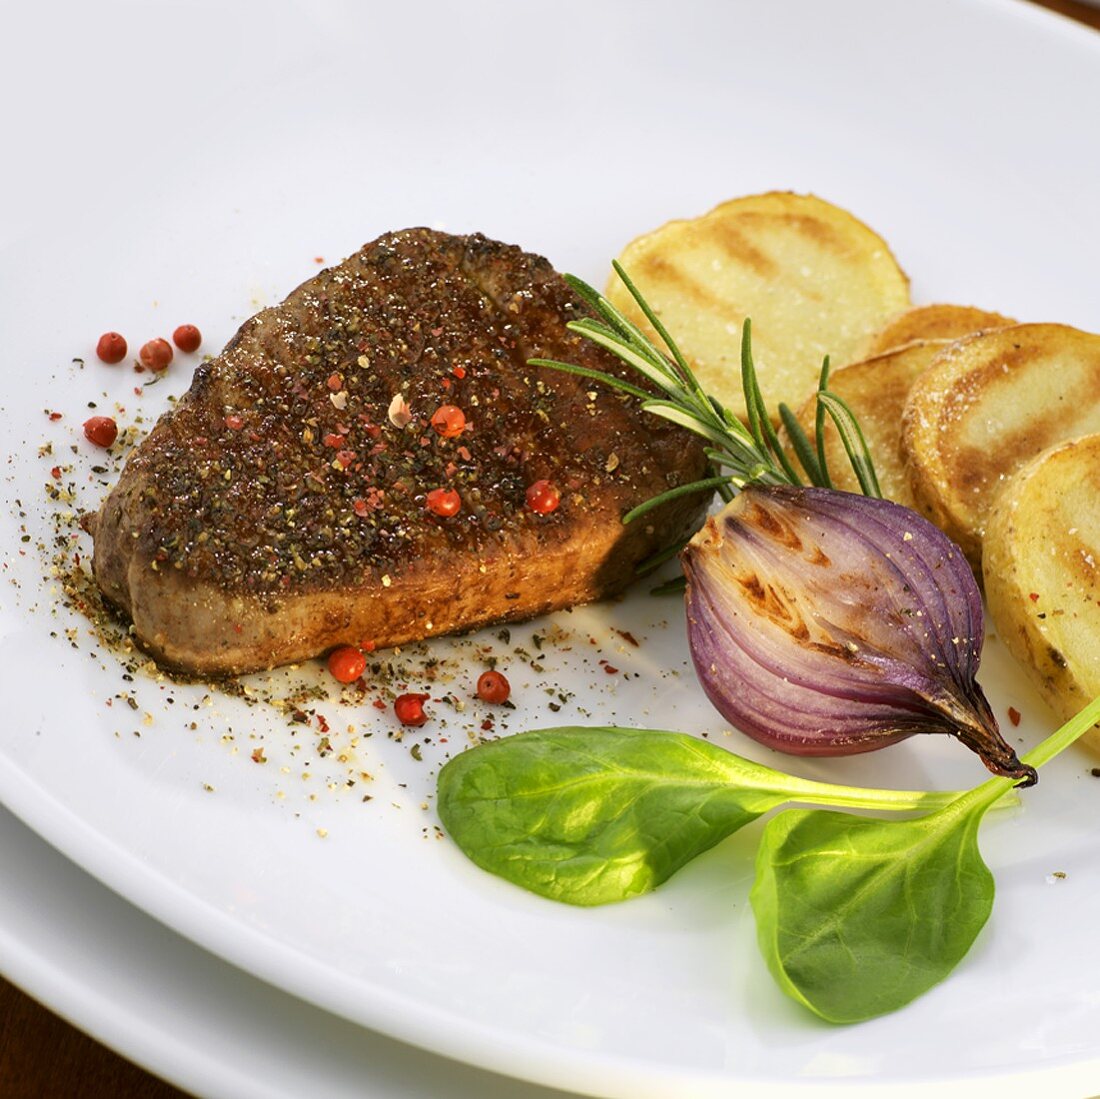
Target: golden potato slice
point(1041, 560)
point(876, 390)
point(814, 280)
point(985, 406)
point(933, 322)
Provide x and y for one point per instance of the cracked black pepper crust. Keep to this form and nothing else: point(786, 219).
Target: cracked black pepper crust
point(282, 485)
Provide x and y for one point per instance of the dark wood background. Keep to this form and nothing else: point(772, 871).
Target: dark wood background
point(41, 1056)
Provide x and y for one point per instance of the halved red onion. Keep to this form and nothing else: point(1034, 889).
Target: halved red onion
point(828, 623)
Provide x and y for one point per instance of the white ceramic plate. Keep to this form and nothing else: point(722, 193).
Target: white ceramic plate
point(180, 1012)
point(190, 166)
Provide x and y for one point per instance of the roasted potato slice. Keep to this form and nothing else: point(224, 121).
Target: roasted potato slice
point(933, 322)
point(987, 405)
point(876, 390)
point(814, 279)
point(1041, 560)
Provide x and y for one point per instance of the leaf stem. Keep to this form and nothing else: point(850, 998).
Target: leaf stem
point(989, 791)
point(1059, 741)
point(860, 797)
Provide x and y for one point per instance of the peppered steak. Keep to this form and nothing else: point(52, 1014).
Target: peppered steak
point(282, 507)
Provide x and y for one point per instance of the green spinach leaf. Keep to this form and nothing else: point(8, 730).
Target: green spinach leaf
point(856, 917)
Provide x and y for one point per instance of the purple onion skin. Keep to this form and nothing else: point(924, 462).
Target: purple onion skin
point(828, 623)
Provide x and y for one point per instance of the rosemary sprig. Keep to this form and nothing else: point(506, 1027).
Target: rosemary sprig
point(738, 454)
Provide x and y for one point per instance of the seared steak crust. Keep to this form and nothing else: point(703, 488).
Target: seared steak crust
point(279, 509)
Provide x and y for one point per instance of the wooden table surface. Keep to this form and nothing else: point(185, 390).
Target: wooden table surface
point(41, 1056)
